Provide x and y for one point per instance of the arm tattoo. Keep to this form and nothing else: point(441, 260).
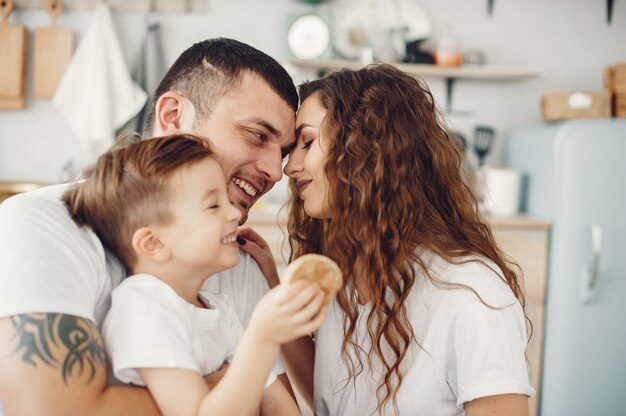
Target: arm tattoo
point(77, 342)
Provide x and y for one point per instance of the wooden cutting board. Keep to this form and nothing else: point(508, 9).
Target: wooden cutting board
point(53, 48)
point(13, 49)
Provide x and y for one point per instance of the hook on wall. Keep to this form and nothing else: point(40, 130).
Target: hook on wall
point(609, 11)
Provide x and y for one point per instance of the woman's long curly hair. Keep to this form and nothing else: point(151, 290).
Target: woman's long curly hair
point(394, 185)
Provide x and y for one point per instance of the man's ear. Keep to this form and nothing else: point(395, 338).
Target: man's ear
point(148, 245)
point(173, 113)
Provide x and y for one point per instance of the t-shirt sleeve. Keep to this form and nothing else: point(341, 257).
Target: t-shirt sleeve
point(144, 330)
point(486, 354)
point(49, 264)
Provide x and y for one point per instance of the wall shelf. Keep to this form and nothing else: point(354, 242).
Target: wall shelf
point(180, 6)
point(449, 74)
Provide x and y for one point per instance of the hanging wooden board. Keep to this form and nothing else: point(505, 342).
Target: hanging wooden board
point(13, 49)
point(53, 48)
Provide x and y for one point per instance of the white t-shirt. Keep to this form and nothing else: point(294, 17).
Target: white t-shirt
point(49, 264)
point(469, 350)
point(150, 326)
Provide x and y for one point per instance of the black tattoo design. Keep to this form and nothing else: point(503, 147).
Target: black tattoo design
point(81, 349)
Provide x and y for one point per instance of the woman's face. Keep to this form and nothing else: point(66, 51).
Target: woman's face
point(306, 161)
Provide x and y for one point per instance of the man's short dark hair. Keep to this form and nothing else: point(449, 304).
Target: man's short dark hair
point(208, 70)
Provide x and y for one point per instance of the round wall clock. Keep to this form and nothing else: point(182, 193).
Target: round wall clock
point(308, 37)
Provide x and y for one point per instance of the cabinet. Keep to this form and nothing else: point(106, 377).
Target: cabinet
point(525, 240)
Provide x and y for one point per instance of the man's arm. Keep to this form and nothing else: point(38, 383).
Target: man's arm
point(55, 364)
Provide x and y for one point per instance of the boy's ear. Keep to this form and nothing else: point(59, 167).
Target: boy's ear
point(148, 245)
point(173, 113)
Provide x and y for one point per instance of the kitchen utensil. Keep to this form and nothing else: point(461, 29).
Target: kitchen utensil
point(372, 22)
point(13, 47)
point(483, 141)
point(53, 51)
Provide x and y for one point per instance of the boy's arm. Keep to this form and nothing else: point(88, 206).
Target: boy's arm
point(55, 364)
point(299, 355)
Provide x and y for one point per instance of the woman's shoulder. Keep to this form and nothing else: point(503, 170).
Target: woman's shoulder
point(467, 278)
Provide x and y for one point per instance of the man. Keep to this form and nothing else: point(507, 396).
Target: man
point(56, 278)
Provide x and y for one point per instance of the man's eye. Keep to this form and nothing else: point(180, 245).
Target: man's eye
point(214, 206)
point(260, 135)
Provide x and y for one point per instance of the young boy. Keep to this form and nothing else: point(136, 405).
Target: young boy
point(162, 207)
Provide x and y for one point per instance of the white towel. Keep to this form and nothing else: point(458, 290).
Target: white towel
point(97, 95)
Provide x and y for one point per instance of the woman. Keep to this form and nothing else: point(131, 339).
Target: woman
point(430, 320)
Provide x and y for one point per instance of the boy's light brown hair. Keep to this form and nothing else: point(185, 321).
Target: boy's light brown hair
point(127, 188)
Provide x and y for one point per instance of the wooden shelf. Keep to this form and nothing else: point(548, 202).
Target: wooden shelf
point(450, 74)
point(482, 72)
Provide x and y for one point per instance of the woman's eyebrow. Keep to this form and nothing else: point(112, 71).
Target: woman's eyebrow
point(300, 127)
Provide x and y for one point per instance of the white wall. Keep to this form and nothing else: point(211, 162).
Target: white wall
point(567, 40)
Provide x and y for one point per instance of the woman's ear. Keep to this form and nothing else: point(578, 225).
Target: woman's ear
point(172, 113)
point(147, 245)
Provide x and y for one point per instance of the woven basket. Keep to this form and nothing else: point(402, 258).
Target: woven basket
point(615, 78)
point(619, 105)
point(579, 104)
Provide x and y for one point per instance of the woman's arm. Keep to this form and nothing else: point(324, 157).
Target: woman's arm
point(299, 358)
point(504, 404)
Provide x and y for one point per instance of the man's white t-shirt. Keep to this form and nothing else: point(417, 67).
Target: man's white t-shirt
point(49, 264)
point(150, 325)
point(468, 350)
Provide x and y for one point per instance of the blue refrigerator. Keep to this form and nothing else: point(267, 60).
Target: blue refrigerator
point(575, 175)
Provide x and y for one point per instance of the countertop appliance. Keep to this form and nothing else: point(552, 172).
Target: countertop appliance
point(575, 175)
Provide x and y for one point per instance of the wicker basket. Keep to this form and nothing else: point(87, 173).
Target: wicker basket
point(580, 104)
point(615, 78)
point(615, 83)
point(619, 105)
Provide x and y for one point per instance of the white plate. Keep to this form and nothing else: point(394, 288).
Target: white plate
point(358, 21)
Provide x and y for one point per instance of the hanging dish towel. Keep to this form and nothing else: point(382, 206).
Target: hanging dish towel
point(97, 95)
point(148, 71)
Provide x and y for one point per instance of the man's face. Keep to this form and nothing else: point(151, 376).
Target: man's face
point(251, 129)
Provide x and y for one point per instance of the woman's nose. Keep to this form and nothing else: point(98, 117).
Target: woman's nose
point(294, 164)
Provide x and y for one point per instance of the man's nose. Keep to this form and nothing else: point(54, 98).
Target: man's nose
point(271, 164)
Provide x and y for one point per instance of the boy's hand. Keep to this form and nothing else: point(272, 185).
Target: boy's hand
point(288, 312)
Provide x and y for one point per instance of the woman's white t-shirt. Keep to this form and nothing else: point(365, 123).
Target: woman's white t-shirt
point(468, 350)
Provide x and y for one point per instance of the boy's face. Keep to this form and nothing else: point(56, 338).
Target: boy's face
point(251, 129)
point(202, 234)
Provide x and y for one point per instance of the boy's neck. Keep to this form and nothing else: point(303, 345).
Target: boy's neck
point(186, 285)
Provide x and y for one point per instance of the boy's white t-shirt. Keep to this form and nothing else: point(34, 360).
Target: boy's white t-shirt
point(150, 326)
point(468, 349)
point(52, 265)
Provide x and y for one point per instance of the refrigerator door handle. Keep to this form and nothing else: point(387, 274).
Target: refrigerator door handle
point(590, 273)
point(596, 247)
